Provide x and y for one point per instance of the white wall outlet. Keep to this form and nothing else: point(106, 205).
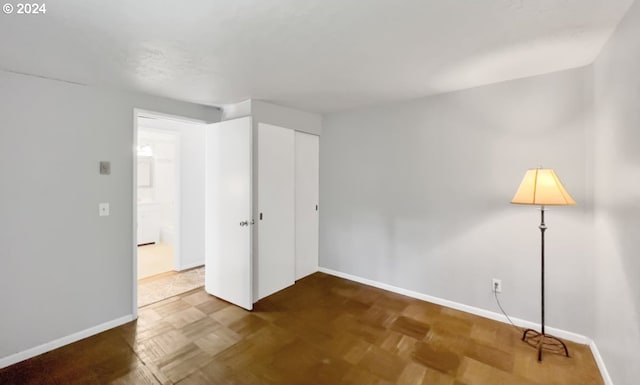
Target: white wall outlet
point(496, 285)
point(103, 209)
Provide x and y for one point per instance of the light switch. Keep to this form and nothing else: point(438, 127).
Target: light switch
point(103, 209)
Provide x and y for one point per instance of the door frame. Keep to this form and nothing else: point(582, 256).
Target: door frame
point(138, 113)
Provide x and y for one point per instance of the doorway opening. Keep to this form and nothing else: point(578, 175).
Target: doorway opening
point(169, 205)
point(157, 186)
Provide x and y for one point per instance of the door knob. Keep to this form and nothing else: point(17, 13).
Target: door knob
point(244, 223)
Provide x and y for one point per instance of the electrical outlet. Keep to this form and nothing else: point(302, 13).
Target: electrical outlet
point(496, 285)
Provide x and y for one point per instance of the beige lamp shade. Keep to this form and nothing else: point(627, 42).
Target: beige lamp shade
point(541, 186)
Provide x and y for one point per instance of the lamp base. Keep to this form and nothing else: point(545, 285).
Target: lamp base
point(546, 342)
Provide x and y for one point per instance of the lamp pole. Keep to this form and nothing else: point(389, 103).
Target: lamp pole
point(539, 339)
point(543, 228)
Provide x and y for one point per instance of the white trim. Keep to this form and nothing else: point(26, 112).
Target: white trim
point(190, 266)
point(46, 347)
point(600, 362)
point(579, 338)
point(459, 306)
point(134, 210)
point(139, 112)
point(177, 210)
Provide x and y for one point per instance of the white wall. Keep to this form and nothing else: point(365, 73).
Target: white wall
point(276, 115)
point(64, 269)
point(617, 200)
point(286, 117)
point(191, 187)
point(416, 195)
point(192, 195)
point(236, 110)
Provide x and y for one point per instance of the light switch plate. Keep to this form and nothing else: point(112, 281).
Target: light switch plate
point(103, 209)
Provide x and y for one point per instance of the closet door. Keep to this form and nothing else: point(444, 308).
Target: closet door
point(276, 203)
point(307, 185)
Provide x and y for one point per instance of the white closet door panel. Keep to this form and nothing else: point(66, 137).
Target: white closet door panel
point(228, 263)
point(307, 184)
point(276, 204)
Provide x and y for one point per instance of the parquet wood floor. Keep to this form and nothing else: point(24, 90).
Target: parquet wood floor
point(323, 330)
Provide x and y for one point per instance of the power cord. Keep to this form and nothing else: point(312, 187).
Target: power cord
point(495, 294)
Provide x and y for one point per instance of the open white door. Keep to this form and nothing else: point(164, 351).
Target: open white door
point(228, 222)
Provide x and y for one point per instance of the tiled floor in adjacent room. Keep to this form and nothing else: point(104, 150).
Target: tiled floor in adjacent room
point(153, 259)
point(322, 330)
point(162, 286)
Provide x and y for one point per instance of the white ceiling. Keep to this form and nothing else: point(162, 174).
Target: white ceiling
point(317, 55)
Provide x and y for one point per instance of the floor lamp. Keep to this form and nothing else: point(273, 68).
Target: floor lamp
point(542, 187)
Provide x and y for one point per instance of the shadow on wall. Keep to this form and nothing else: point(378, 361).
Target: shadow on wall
point(450, 161)
point(416, 194)
point(626, 228)
point(626, 210)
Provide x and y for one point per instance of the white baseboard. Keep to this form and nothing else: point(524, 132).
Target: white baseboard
point(46, 347)
point(191, 265)
point(49, 346)
point(600, 362)
point(579, 338)
point(459, 306)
